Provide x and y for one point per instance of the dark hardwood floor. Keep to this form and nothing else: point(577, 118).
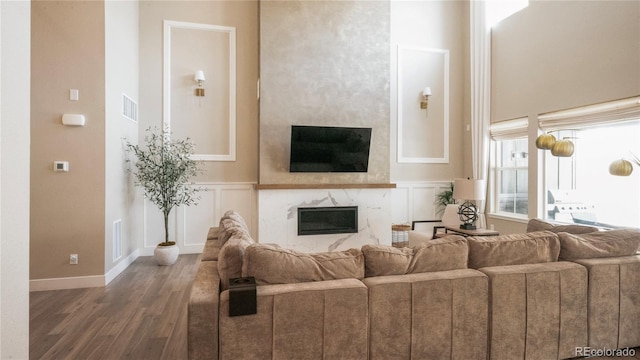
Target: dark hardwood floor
point(142, 314)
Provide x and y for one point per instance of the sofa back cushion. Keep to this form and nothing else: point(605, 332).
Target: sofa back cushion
point(448, 253)
point(231, 256)
point(271, 264)
point(603, 244)
point(514, 249)
point(541, 225)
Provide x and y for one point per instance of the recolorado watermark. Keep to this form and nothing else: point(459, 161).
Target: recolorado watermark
point(589, 352)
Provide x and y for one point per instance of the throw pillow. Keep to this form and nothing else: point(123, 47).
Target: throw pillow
point(514, 249)
point(229, 225)
point(610, 243)
point(541, 225)
point(386, 260)
point(271, 264)
point(230, 257)
point(447, 253)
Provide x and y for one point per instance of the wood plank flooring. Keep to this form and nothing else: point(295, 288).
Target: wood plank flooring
point(142, 314)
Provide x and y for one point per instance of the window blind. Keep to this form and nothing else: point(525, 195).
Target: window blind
point(509, 129)
point(607, 113)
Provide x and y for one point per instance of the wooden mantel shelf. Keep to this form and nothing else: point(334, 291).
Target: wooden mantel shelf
point(322, 186)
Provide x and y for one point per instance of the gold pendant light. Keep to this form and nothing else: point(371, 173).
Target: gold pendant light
point(621, 167)
point(562, 148)
point(545, 141)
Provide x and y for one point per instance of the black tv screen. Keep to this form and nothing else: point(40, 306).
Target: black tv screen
point(329, 149)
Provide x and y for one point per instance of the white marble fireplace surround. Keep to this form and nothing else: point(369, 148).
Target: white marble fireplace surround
point(278, 220)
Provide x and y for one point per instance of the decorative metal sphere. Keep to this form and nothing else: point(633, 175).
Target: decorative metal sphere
point(468, 213)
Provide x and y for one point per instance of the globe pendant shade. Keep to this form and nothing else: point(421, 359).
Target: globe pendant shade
point(562, 148)
point(621, 168)
point(545, 141)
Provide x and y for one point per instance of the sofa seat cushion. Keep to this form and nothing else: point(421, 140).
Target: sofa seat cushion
point(448, 253)
point(271, 264)
point(537, 311)
point(541, 225)
point(513, 249)
point(313, 320)
point(435, 315)
point(614, 301)
point(603, 244)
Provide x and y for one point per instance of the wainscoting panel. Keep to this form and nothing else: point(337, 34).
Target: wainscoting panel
point(189, 225)
point(416, 201)
point(196, 218)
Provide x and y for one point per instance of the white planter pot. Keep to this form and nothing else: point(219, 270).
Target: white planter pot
point(166, 255)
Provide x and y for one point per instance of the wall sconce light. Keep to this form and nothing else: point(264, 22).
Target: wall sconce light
point(424, 103)
point(199, 77)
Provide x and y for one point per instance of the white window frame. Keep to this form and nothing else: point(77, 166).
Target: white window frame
point(512, 129)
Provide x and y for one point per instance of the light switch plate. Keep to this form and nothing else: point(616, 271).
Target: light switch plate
point(74, 94)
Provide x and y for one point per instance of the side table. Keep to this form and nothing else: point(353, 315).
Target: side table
point(476, 232)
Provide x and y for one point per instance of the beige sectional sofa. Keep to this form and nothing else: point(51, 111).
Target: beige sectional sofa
point(539, 295)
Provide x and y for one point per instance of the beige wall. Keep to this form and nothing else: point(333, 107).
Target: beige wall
point(555, 55)
point(67, 209)
point(323, 63)
point(586, 52)
point(240, 14)
point(439, 25)
point(14, 179)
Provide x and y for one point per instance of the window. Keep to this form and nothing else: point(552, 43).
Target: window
point(512, 176)
point(510, 167)
point(579, 188)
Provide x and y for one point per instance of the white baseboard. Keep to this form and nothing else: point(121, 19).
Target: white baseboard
point(122, 265)
point(66, 283)
point(78, 282)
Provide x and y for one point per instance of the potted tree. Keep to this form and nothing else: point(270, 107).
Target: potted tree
point(163, 168)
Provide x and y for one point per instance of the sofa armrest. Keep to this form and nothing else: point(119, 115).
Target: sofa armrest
point(202, 339)
point(323, 319)
point(211, 250)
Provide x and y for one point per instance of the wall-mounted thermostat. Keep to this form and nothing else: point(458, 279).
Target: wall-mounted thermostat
point(61, 166)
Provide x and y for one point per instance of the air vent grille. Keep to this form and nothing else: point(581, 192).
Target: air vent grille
point(129, 108)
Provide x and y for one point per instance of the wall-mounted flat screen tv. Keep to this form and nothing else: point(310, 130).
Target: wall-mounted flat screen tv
point(329, 149)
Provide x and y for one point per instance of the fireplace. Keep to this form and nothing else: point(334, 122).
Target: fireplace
point(327, 220)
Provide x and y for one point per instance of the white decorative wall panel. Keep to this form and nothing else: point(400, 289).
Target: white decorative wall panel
point(423, 134)
point(416, 201)
point(189, 226)
point(279, 218)
point(210, 120)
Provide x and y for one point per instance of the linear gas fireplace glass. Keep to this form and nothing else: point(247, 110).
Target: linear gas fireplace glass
point(327, 220)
